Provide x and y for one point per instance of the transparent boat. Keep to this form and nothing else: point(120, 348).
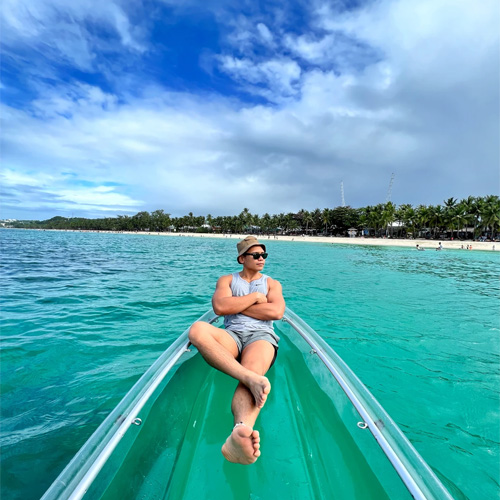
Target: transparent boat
point(323, 435)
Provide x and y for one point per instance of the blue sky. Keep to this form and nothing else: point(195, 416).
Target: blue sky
point(113, 107)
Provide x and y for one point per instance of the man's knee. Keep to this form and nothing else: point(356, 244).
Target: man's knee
point(196, 332)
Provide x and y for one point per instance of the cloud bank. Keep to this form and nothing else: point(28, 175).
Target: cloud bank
point(107, 111)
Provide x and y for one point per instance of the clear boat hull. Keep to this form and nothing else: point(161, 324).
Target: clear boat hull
point(312, 446)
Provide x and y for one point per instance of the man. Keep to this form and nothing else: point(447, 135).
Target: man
point(246, 349)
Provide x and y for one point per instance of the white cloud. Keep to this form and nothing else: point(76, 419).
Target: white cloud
point(66, 100)
point(424, 35)
point(62, 30)
point(333, 50)
point(315, 51)
point(101, 197)
point(12, 178)
point(44, 190)
point(280, 76)
point(265, 33)
point(242, 35)
point(425, 108)
point(247, 36)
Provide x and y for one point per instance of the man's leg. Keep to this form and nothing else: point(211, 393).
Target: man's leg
point(219, 350)
point(243, 444)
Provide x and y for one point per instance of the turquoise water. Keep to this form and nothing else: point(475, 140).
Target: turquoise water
point(84, 315)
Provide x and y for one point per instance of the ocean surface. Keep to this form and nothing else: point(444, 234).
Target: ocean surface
point(83, 315)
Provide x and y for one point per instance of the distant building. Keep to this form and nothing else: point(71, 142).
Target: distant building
point(7, 222)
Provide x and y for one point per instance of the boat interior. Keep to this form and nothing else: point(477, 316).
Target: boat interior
point(314, 443)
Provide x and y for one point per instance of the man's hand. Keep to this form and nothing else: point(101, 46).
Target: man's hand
point(272, 308)
point(260, 298)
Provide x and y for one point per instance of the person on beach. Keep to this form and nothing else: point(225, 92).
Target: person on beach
point(247, 348)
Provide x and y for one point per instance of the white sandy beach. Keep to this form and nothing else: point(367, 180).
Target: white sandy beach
point(334, 240)
point(426, 244)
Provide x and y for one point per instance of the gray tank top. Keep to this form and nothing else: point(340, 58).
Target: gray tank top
point(240, 322)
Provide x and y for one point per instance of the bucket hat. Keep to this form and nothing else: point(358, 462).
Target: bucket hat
point(248, 242)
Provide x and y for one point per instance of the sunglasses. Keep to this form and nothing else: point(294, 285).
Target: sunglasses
point(257, 255)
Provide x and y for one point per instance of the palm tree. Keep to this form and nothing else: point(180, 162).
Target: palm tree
point(468, 207)
point(265, 222)
point(245, 217)
point(490, 216)
point(280, 221)
point(388, 216)
point(308, 219)
point(449, 213)
point(477, 210)
point(436, 218)
point(288, 221)
point(377, 218)
point(300, 218)
point(422, 217)
point(256, 221)
point(458, 218)
point(325, 217)
point(292, 223)
point(240, 222)
point(450, 202)
point(189, 220)
point(316, 216)
point(411, 220)
point(365, 220)
point(401, 215)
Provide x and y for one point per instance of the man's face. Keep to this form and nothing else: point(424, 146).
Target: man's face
point(251, 263)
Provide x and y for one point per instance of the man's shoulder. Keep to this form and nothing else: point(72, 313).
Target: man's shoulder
point(273, 282)
point(225, 280)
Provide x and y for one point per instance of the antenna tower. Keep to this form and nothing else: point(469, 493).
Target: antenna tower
point(342, 192)
point(389, 191)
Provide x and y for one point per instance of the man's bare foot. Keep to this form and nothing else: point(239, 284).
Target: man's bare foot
point(260, 387)
point(242, 445)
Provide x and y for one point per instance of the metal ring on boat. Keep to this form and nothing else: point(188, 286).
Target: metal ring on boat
point(362, 425)
point(137, 421)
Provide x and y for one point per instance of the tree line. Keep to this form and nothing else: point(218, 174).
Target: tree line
point(470, 218)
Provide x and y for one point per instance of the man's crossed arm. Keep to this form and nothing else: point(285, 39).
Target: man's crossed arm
point(256, 304)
